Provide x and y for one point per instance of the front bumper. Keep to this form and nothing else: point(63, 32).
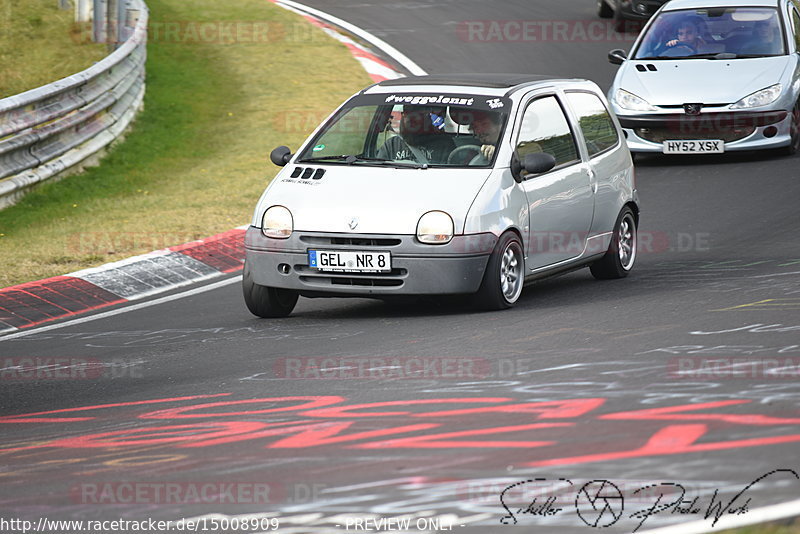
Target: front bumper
point(740, 130)
point(417, 269)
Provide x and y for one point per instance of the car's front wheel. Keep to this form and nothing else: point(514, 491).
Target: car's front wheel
point(267, 302)
point(504, 276)
point(794, 132)
point(621, 254)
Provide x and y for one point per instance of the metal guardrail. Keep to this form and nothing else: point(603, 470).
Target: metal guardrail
point(55, 129)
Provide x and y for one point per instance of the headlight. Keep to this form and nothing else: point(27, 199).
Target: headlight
point(632, 102)
point(760, 98)
point(435, 228)
point(277, 222)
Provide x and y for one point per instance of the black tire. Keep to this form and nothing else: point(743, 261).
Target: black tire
point(604, 11)
point(794, 131)
point(267, 302)
point(621, 254)
point(620, 23)
point(504, 275)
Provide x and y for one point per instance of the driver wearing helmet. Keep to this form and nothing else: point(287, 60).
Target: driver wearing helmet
point(422, 137)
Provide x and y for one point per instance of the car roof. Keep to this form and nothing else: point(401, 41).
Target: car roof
point(485, 83)
point(674, 5)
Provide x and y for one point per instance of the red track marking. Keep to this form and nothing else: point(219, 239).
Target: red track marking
point(673, 413)
point(326, 434)
point(673, 439)
point(546, 410)
point(159, 435)
point(28, 417)
point(345, 411)
point(178, 413)
point(442, 441)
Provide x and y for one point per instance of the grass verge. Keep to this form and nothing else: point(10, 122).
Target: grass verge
point(39, 44)
point(226, 83)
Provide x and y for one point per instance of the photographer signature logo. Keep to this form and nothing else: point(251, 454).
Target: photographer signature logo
point(601, 503)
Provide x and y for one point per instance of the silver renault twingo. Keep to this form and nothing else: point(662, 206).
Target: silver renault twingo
point(450, 184)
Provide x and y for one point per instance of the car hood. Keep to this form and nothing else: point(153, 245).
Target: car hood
point(677, 82)
point(383, 200)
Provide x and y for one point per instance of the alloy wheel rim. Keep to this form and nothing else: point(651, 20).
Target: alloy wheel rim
point(627, 242)
point(511, 272)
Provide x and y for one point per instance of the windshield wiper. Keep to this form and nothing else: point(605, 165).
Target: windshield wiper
point(347, 158)
point(750, 56)
point(351, 159)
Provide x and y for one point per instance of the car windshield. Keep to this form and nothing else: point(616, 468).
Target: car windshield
point(714, 33)
point(412, 131)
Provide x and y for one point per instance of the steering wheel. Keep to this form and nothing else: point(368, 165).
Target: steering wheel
point(679, 50)
point(465, 154)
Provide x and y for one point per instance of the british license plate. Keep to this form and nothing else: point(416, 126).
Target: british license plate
point(698, 146)
point(350, 261)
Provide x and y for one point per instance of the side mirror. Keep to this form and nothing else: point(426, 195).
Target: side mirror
point(538, 162)
point(617, 56)
point(516, 168)
point(280, 156)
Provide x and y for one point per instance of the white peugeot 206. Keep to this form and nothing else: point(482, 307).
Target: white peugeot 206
point(712, 76)
point(442, 185)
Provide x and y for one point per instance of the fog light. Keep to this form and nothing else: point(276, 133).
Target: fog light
point(770, 131)
point(284, 268)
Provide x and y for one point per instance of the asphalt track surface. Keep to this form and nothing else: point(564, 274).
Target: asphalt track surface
point(685, 373)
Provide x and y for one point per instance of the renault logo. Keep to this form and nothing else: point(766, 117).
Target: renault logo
point(692, 109)
point(353, 223)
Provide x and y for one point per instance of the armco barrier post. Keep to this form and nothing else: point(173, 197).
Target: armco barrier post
point(83, 10)
point(122, 15)
point(99, 22)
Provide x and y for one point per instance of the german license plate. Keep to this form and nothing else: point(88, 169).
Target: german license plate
point(698, 146)
point(350, 261)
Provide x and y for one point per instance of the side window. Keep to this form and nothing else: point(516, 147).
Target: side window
point(796, 24)
point(545, 129)
point(595, 123)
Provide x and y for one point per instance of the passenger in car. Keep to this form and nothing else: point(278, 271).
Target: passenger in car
point(422, 137)
point(765, 40)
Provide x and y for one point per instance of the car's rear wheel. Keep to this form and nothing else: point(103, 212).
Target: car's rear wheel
point(504, 276)
point(604, 11)
point(267, 302)
point(621, 254)
point(794, 132)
